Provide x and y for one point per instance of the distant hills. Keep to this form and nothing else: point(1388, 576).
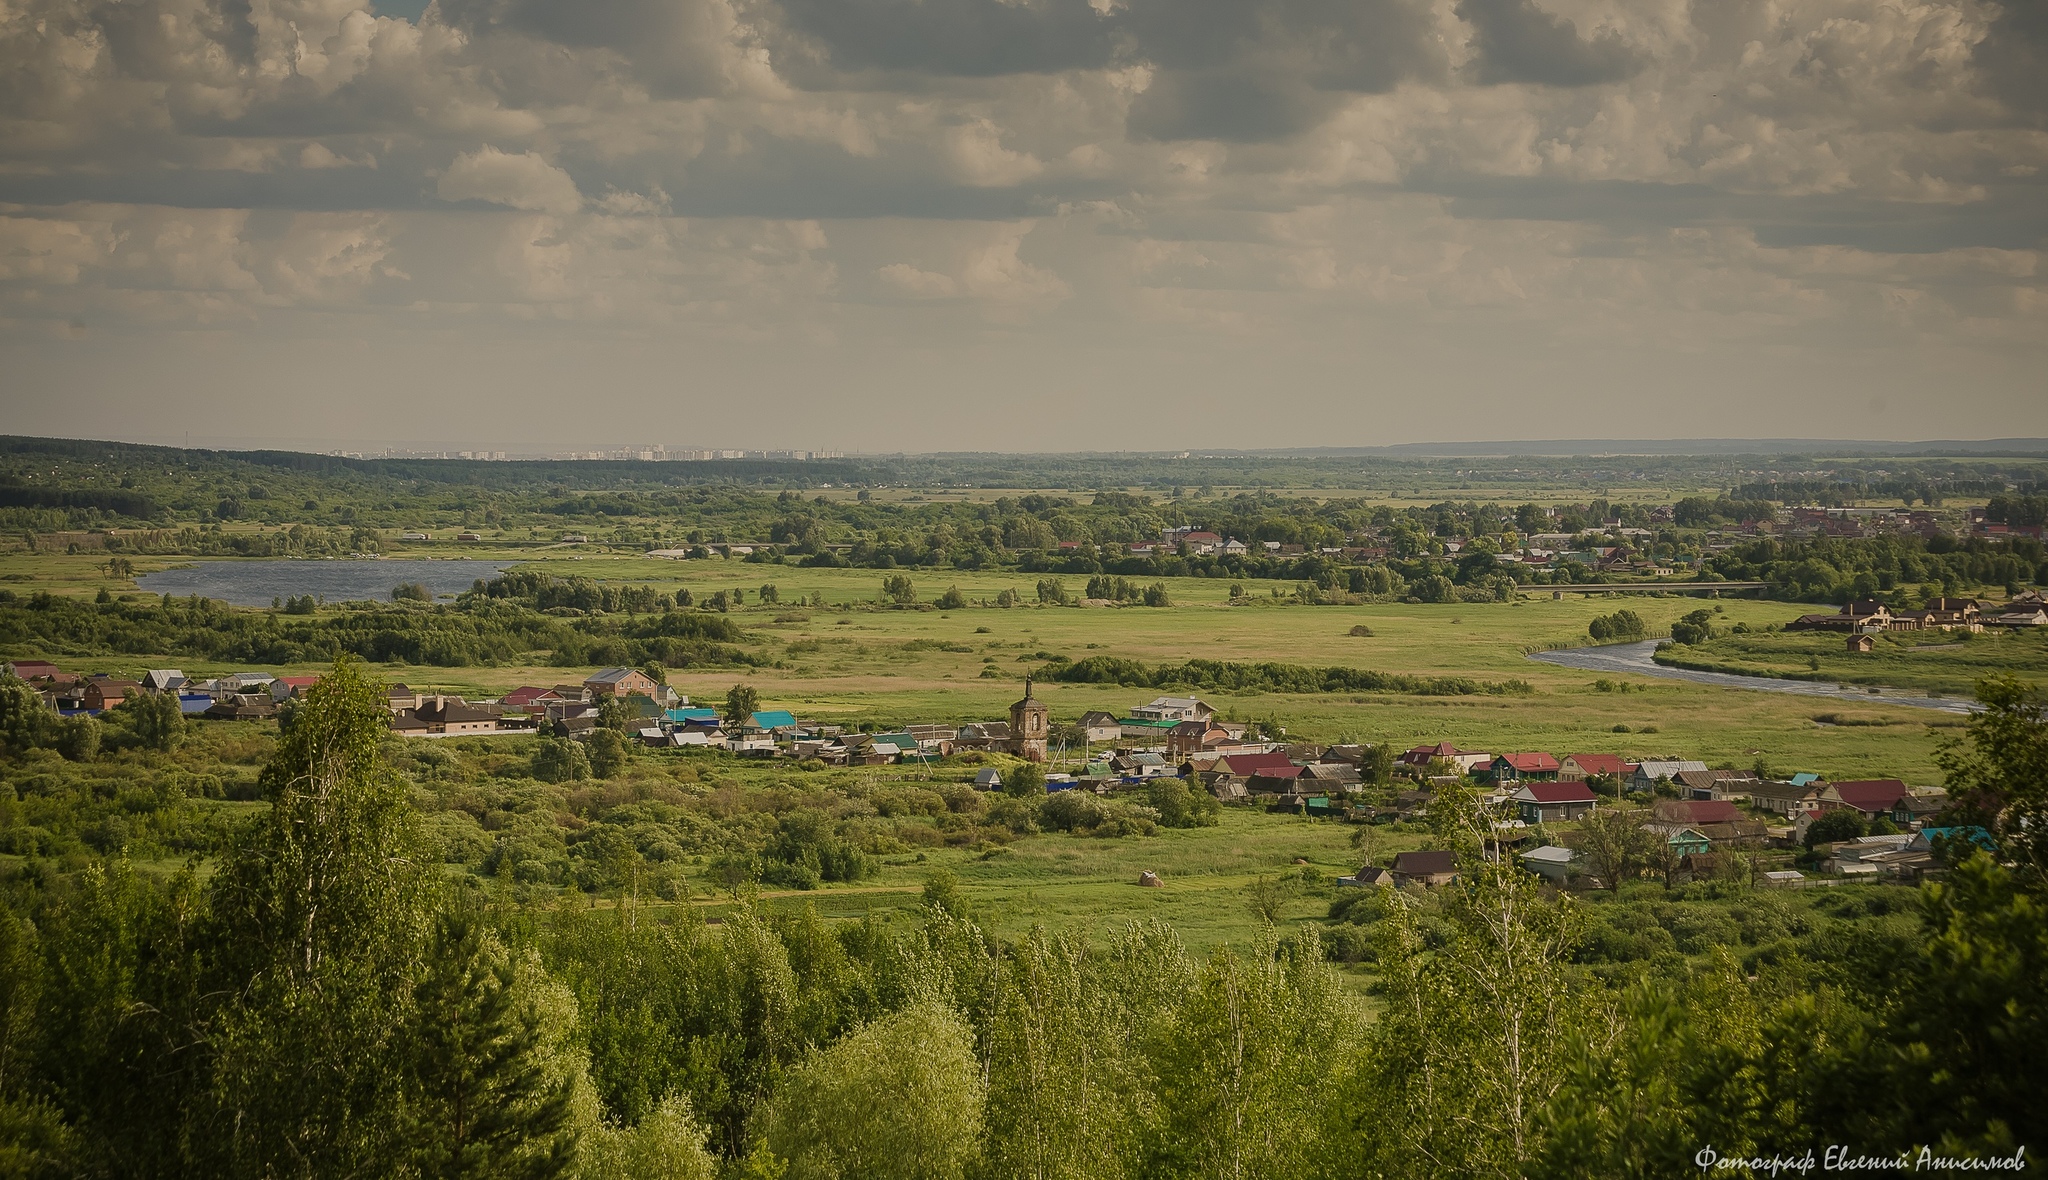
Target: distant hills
point(1552, 448)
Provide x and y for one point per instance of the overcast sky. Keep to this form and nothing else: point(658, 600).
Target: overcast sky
point(1021, 224)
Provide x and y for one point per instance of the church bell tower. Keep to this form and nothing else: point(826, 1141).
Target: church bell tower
point(1030, 725)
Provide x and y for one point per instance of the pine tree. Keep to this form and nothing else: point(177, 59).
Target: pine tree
point(478, 1101)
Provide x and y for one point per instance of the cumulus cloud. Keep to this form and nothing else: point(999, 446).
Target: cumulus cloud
point(1289, 175)
point(1515, 41)
point(524, 181)
point(969, 38)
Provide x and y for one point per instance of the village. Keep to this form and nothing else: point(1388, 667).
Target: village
point(1686, 818)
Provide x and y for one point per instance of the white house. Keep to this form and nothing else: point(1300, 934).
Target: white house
point(1173, 709)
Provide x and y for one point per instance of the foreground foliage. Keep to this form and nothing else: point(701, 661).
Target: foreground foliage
point(328, 1003)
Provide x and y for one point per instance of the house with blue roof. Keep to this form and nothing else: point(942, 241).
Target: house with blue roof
point(774, 719)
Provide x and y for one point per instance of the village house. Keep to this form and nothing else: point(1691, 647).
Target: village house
point(1098, 726)
point(1648, 774)
point(1534, 766)
point(1425, 868)
point(1577, 767)
point(1138, 729)
point(291, 688)
point(1553, 802)
point(1717, 819)
point(1550, 862)
point(1713, 784)
point(1173, 709)
point(618, 682)
point(445, 715)
point(103, 694)
point(1869, 796)
point(1913, 810)
point(163, 680)
point(1684, 839)
point(1787, 798)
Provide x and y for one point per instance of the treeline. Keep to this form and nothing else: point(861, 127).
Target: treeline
point(327, 1004)
point(113, 501)
point(1838, 570)
point(2021, 510)
point(1858, 489)
point(471, 633)
point(1222, 675)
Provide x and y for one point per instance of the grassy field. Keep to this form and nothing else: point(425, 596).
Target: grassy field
point(852, 661)
point(1935, 661)
point(1089, 884)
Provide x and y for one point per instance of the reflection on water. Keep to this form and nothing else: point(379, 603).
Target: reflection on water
point(1635, 658)
point(256, 583)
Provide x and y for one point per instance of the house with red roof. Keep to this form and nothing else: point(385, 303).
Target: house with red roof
point(1874, 796)
point(529, 698)
point(1542, 803)
point(1533, 766)
point(1576, 767)
point(1467, 761)
point(1424, 755)
point(1273, 765)
point(291, 687)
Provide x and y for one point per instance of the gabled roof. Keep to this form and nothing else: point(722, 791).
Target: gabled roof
point(1668, 769)
point(1271, 765)
point(1425, 864)
point(774, 719)
point(1555, 793)
point(1877, 794)
point(1551, 854)
point(1601, 763)
point(1703, 811)
point(1532, 762)
point(1802, 778)
point(611, 675)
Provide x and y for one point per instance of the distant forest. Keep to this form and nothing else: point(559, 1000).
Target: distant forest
point(163, 501)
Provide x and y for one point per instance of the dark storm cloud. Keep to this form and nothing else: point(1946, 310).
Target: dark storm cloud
point(2014, 59)
point(965, 38)
point(1515, 41)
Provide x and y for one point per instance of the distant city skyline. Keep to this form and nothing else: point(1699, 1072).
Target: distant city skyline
point(876, 226)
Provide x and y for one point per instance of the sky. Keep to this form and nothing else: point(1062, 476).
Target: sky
point(912, 225)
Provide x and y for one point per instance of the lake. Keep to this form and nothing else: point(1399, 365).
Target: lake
point(1635, 658)
point(256, 583)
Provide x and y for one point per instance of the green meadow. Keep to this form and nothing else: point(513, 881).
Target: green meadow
point(856, 660)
